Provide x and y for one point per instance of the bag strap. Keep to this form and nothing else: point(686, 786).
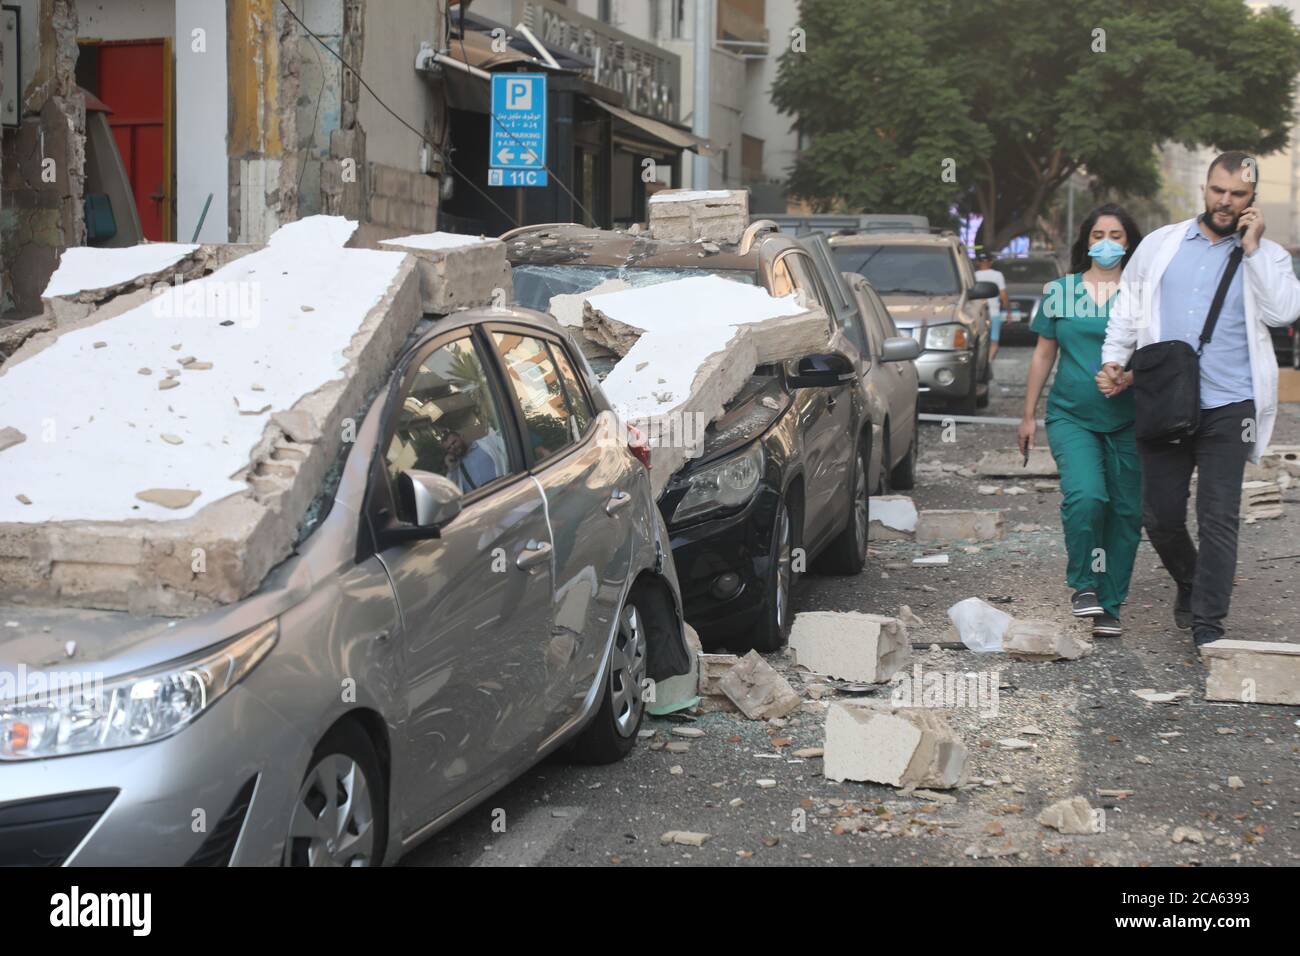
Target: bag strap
point(1230, 270)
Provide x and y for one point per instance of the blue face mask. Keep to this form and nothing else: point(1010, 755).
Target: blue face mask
point(1106, 253)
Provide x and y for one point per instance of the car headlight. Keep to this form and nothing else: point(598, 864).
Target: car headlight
point(950, 335)
point(79, 714)
point(727, 484)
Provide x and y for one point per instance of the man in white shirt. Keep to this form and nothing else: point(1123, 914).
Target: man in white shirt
point(999, 307)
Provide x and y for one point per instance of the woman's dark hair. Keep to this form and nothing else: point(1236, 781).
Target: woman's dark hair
point(1079, 258)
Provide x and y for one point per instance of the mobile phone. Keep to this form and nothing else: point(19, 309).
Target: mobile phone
point(1241, 230)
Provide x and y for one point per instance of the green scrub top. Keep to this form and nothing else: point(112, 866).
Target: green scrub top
point(1068, 314)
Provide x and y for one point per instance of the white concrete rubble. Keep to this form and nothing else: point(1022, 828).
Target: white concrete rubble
point(683, 215)
point(259, 415)
point(1258, 672)
point(1043, 641)
point(1073, 815)
point(850, 645)
point(90, 268)
point(892, 517)
point(1010, 463)
point(899, 746)
point(758, 690)
point(934, 526)
point(457, 272)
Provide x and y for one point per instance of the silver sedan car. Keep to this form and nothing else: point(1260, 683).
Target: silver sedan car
point(485, 580)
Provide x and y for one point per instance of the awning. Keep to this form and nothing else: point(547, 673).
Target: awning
point(664, 132)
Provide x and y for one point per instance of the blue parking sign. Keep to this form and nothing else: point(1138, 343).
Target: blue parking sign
point(517, 146)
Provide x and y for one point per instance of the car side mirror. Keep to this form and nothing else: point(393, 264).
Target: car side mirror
point(823, 370)
point(430, 499)
point(983, 290)
point(900, 348)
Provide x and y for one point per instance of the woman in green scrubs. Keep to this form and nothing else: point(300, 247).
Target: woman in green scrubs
point(1091, 436)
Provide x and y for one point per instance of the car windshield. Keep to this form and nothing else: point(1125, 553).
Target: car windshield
point(535, 285)
point(902, 270)
point(1027, 270)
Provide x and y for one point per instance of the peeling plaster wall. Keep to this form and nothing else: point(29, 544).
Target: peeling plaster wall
point(44, 160)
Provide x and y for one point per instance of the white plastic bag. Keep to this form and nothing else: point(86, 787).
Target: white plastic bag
point(979, 624)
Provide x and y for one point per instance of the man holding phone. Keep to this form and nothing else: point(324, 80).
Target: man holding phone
point(1166, 295)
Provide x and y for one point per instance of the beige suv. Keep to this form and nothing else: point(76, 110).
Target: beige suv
point(928, 284)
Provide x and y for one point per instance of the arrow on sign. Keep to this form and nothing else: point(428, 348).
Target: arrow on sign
point(530, 157)
point(506, 155)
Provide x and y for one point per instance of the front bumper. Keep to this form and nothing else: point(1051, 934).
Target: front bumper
point(738, 543)
point(947, 374)
point(218, 792)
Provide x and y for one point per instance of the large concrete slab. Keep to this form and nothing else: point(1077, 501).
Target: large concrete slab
point(1253, 672)
point(457, 272)
point(130, 493)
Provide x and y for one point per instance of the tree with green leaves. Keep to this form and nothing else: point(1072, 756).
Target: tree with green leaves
point(989, 106)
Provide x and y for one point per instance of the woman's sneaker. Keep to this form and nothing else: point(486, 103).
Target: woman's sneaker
point(1107, 625)
point(1086, 604)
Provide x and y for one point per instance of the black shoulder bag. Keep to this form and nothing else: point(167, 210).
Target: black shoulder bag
point(1167, 376)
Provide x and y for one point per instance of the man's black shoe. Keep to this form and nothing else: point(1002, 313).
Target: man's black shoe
point(1085, 604)
point(1106, 625)
point(1183, 607)
point(1205, 635)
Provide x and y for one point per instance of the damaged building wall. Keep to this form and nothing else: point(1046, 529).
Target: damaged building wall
point(305, 137)
point(43, 161)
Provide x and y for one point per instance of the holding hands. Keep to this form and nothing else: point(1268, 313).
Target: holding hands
point(1112, 379)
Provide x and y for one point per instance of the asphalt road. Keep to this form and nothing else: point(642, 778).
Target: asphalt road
point(1093, 735)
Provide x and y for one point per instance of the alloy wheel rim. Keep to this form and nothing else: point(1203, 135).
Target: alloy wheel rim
point(628, 670)
point(333, 822)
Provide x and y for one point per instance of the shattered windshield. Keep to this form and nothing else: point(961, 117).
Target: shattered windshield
point(536, 285)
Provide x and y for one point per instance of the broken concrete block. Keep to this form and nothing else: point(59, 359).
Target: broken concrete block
point(1253, 672)
point(1074, 815)
point(10, 437)
point(1010, 463)
point(712, 667)
point(850, 645)
point(938, 525)
point(127, 541)
point(457, 272)
point(1043, 641)
point(758, 690)
point(684, 838)
point(694, 344)
point(1260, 500)
point(892, 517)
point(901, 747)
point(686, 215)
point(93, 269)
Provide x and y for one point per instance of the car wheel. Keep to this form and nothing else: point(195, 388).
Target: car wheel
point(883, 481)
point(903, 476)
point(340, 816)
point(774, 626)
point(612, 732)
point(847, 554)
point(968, 404)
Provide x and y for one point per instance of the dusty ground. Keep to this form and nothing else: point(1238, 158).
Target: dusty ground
point(1095, 733)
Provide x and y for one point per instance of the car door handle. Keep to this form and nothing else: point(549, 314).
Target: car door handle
point(533, 554)
point(617, 502)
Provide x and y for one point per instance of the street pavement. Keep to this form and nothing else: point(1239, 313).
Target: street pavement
point(1085, 729)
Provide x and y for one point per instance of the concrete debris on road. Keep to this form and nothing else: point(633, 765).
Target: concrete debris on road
point(978, 624)
point(1260, 500)
point(684, 838)
point(1259, 672)
point(1010, 463)
point(1043, 641)
point(1187, 835)
point(892, 517)
point(901, 747)
point(850, 645)
point(758, 690)
point(1070, 816)
point(935, 526)
point(1152, 696)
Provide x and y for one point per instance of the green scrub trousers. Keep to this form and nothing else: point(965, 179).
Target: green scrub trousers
point(1092, 441)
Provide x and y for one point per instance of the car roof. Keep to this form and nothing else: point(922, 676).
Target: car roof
point(895, 239)
point(573, 244)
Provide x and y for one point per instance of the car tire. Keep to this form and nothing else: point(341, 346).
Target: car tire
point(847, 554)
point(883, 484)
point(343, 778)
point(968, 404)
point(611, 734)
point(903, 476)
point(982, 401)
point(777, 614)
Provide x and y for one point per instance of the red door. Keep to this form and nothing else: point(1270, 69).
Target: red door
point(132, 78)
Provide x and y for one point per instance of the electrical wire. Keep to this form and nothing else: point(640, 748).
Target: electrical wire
point(434, 146)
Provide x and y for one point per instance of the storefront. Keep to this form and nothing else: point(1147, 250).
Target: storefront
point(604, 155)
